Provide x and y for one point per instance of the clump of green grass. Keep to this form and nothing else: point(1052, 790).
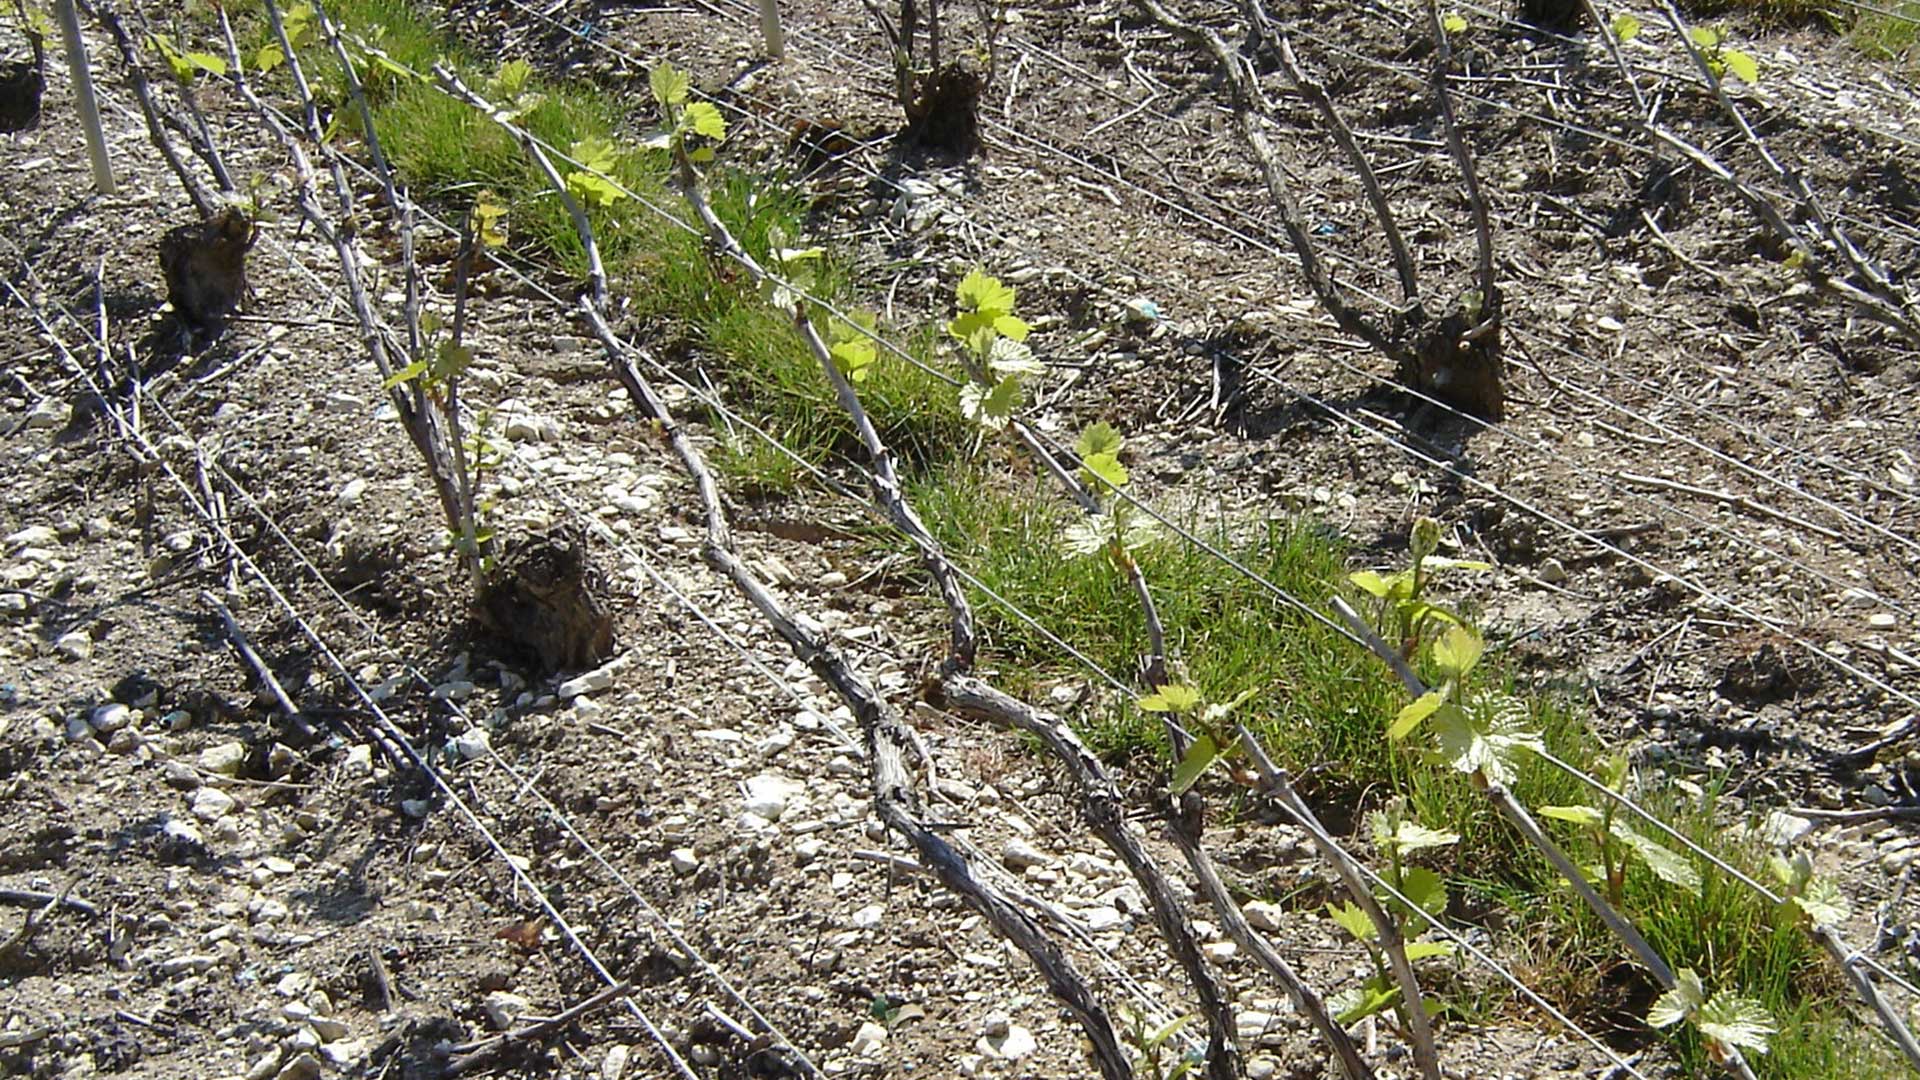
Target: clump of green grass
point(1886, 30)
point(1891, 33)
point(1323, 700)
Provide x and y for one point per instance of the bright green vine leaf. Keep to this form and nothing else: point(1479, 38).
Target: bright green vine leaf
point(512, 78)
point(669, 84)
point(986, 313)
point(1725, 1020)
point(1454, 22)
point(598, 157)
point(404, 375)
point(1427, 889)
point(1626, 27)
point(450, 361)
point(1585, 816)
point(1405, 837)
point(489, 218)
point(980, 292)
point(1667, 865)
point(1424, 950)
point(185, 65)
point(510, 89)
point(1397, 587)
point(298, 24)
point(1705, 38)
point(1099, 448)
point(1411, 716)
point(1817, 900)
point(1171, 699)
point(1356, 1003)
point(855, 358)
point(1008, 356)
point(1199, 756)
point(1457, 651)
point(993, 407)
point(1485, 737)
point(1104, 469)
point(1741, 64)
point(704, 120)
point(1353, 920)
point(1099, 438)
point(1011, 326)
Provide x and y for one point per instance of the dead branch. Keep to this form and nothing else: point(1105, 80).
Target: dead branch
point(963, 640)
point(1469, 177)
point(201, 138)
point(1893, 307)
point(300, 724)
point(1280, 785)
point(466, 1057)
point(1741, 501)
point(1878, 299)
point(1234, 69)
point(416, 417)
point(359, 95)
point(37, 898)
point(1316, 95)
point(1103, 811)
point(22, 938)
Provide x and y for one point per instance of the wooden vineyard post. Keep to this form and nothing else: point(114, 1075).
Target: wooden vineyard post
point(770, 28)
point(83, 95)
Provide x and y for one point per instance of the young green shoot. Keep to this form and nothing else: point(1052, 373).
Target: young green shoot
point(1405, 615)
point(591, 183)
point(1722, 58)
point(1804, 898)
point(187, 64)
point(1150, 1044)
point(510, 89)
point(1729, 1023)
point(437, 368)
point(1396, 836)
point(1214, 740)
point(299, 25)
point(993, 349)
point(692, 127)
point(1620, 843)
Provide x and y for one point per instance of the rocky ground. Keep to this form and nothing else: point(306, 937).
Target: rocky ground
point(196, 884)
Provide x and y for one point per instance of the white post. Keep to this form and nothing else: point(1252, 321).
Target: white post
point(83, 95)
point(770, 27)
